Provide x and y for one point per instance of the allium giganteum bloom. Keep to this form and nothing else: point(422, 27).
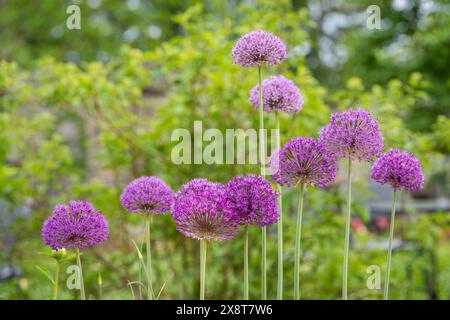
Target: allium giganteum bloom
point(252, 200)
point(303, 161)
point(353, 134)
point(258, 48)
point(279, 94)
point(147, 195)
point(75, 224)
point(400, 169)
point(199, 211)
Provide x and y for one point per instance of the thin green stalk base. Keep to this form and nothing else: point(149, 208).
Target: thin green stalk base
point(391, 239)
point(56, 280)
point(298, 236)
point(264, 263)
point(82, 294)
point(203, 248)
point(262, 145)
point(149, 259)
point(280, 224)
point(262, 152)
point(347, 230)
point(246, 295)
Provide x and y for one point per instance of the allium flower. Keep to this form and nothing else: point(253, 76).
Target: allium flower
point(279, 94)
point(399, 169)
point(75, 224)
point(353, 134)
point(258, 48)
point(303, 161)
point(199, 211)
point(147, 195)
point(251, 200)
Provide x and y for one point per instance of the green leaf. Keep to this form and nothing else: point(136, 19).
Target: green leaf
point(46, 273)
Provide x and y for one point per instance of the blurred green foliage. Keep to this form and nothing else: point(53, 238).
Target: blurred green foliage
point(84, 129)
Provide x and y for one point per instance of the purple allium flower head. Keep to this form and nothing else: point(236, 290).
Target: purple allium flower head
point(400, 169)
point(251, 200)
point(258, 48)
point(279, 94)
point(353, 134)
point(147, 195)
point(200, 212)
point(77, 223)
point(303, 161)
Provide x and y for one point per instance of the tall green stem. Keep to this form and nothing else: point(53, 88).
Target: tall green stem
point(347, 230)
point(262, 152)
point(246, 295)
point(391, 239)
point(280, 223)
point(149, 259)
point(82, 294)
point(203, 247)
point(140, 267)
point(56, 280)
point(262, 144)
point(263, 263)
point(298, 237)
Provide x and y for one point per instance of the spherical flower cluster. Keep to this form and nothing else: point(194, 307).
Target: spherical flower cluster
point(199, 211)
point(353, 134)
point(147, 195)
point(303, 161)
point(75, 224)
point(251, 200)
point(279, 94)
point(258, 48)
point(399, 169)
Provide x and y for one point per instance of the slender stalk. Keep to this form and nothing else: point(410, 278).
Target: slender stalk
point(263, 263)
point(149, 259)
point(203, 248)
point(140, 269)
point(347, 230)
point(391, 238)
point(298, 236)
point(280, 224)
point(56, 280)
point(262, 152)
point(262, 145)
point(246, 263)
point(82, 294)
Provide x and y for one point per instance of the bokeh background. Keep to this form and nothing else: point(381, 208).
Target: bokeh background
point(83, 112)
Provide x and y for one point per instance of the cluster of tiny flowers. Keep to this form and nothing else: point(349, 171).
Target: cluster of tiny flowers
point(279, 94)
point(303, 161)
point(258, 48)
point(147, 195)
point(399, 169)
point(251, 200)
point(199, 211)
point(75, 224)
point(353, 134)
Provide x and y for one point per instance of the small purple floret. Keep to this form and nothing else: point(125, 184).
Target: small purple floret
point(199, 211)
point(258, 48)
point(75, 224)
point(252, 200)
point(147, 195)
point(399, 169)
point(353, 134)
point(279, 94)
point(303, 161)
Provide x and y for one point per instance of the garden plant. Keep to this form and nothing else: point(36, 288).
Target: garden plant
point(352, 178)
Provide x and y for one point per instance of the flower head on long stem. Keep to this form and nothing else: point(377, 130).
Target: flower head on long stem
point(400, 170)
